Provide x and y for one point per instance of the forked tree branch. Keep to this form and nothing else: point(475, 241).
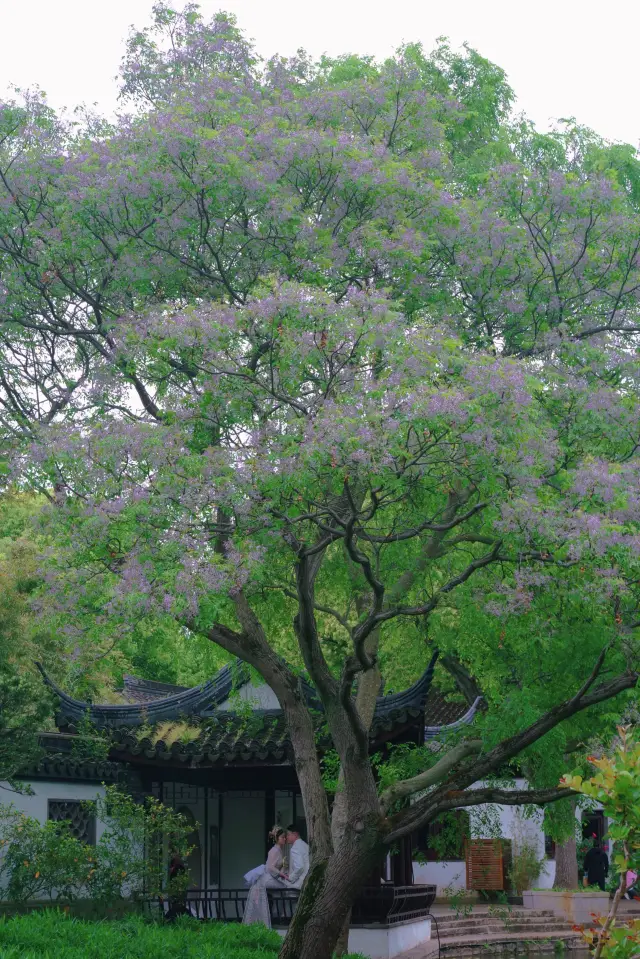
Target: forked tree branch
point(454, 799)
point(423, 609)
point(593, 675)
point(451, 795)
point(430, 777)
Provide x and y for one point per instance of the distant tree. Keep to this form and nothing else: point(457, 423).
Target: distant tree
point(25, 708)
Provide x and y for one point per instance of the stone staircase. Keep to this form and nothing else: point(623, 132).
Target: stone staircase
point(499, 930)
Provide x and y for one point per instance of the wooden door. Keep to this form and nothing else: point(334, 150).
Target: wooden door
point(486, 861)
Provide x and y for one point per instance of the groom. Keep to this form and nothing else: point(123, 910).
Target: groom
point(298, 859)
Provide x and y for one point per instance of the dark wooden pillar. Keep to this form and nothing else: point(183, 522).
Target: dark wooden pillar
point(376, 876)
point(269, 815)
point(402, 863)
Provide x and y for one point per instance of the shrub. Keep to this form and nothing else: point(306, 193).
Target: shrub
point(40, 860)
point(43, 860)
point(131, 854)
point(525, 867)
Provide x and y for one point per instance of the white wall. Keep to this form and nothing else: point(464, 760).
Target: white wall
point(36, 805)
point(260, 697)
point(444, 875)
point(487, 821)
point(386, 942)
point(390, 941)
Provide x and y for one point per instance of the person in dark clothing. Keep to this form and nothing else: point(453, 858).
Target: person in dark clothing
point(596, 866)
point(178, 900)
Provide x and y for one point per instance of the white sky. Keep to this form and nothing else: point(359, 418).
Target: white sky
point(563, 57)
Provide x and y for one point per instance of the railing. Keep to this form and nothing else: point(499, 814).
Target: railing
point(375, 905)
point(387, 904)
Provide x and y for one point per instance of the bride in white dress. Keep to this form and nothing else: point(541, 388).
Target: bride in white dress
point(269, 876)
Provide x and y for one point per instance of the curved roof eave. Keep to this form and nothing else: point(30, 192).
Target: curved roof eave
point(196, 701)
point(188, 703)
point(430, 732)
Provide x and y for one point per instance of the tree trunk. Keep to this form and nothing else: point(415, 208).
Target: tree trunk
point(329, 892)
point(566, 865)
point(342, 945)
point(366, 695)
point(567, 862)
point(314, 796)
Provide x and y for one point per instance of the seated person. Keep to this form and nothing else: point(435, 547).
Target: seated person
point(298, 859)
point(269, 876)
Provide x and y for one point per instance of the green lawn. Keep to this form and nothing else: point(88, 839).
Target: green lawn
point(52, 935)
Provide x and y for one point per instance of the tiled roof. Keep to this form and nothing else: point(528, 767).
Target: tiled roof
point(230, 738)
point(413, 698)
point(227, 739)
point(66, 768)
point(136, 690)
point(202, 702)
point(190, 702)
point(436, 712)
point(58, 762)
point(215, 737)
point(187, 727)
point(440, 711)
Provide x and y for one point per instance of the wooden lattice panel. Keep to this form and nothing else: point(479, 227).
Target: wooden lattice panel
point(485, 864)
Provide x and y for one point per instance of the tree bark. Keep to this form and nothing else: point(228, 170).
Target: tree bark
point(463, 679)
point(567, 862)
point(329, 892)
point(366, 695)
point(566, 865)
point(321, 919)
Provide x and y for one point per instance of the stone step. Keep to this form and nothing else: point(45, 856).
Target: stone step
point(496, 914)
point(500, 928)
point(510, 943)
point(485, 914)
point(473, 922)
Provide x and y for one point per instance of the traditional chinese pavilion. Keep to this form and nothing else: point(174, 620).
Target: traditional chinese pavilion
point(219, 753)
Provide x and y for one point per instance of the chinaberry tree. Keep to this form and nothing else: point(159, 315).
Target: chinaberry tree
point(363, 468)
point(321, 360)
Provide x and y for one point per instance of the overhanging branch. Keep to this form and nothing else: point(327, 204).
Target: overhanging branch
point(452, 795)
point(515, 744)
point(430, 777)
point(426, 811)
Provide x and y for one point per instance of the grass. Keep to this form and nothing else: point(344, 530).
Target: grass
point(51, 934)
